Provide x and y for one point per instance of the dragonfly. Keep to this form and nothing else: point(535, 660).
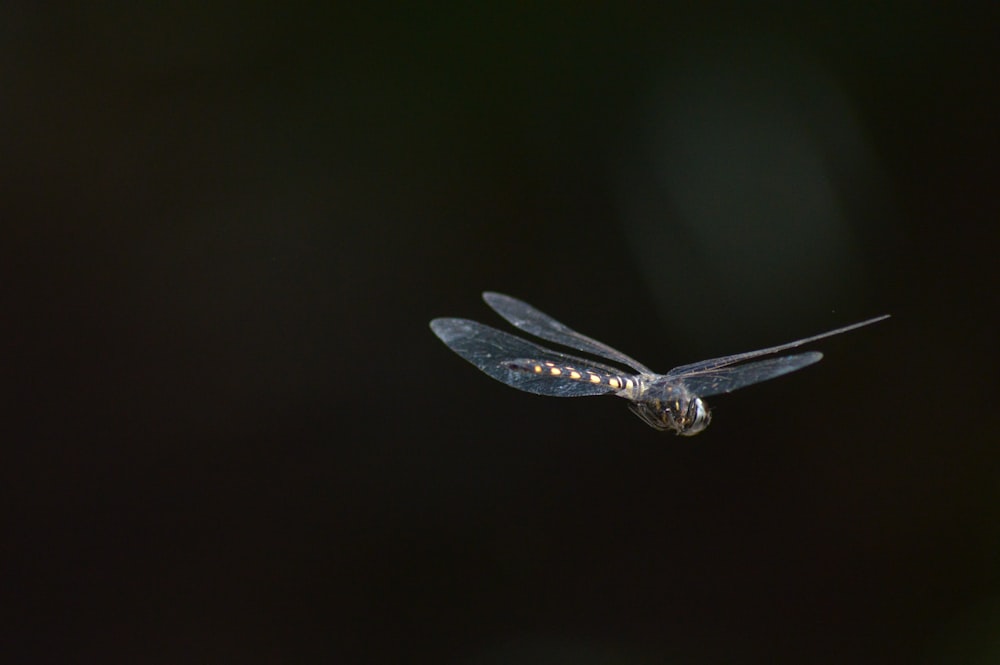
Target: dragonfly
point(667, 402)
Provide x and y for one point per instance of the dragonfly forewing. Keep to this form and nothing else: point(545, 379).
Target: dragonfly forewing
point(723, 361)
point(525, 317)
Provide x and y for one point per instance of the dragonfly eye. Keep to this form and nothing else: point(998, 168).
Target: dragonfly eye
point(696, 418)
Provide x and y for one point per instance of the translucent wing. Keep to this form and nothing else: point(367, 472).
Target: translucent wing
point(522, 315)
point(523, 365)
point(727, 379)
point(715, 363)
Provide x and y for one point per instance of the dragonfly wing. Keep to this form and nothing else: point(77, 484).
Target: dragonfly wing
point(727, 379)
point(523, 365)
point(714, 363)
point(522, 315)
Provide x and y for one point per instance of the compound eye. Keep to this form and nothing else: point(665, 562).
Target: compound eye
point(698, 416)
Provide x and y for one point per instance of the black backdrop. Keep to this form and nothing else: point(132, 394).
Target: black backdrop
point(230, 436)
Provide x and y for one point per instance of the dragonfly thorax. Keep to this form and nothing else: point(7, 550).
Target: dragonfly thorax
point(673, 410)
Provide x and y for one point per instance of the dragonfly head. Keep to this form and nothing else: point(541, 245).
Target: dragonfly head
point(683, 417)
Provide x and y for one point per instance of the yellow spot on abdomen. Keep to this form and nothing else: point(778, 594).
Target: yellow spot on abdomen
point(555, 371)
point(574, 375)
point(538, 369)
point(614, 383)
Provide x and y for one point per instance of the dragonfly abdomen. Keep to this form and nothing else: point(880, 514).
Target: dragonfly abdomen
point(579, 380)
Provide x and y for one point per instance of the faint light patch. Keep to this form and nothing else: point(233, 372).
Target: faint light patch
point(745, 188)
point(972, 638)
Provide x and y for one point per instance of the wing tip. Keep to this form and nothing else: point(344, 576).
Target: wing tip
point(447, 328)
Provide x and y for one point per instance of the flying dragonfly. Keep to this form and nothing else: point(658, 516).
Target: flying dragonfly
point(667, 402)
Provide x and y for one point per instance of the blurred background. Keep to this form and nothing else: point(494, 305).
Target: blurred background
point(231, 436)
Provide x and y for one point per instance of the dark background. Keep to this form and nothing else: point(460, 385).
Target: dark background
point(231, 437)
